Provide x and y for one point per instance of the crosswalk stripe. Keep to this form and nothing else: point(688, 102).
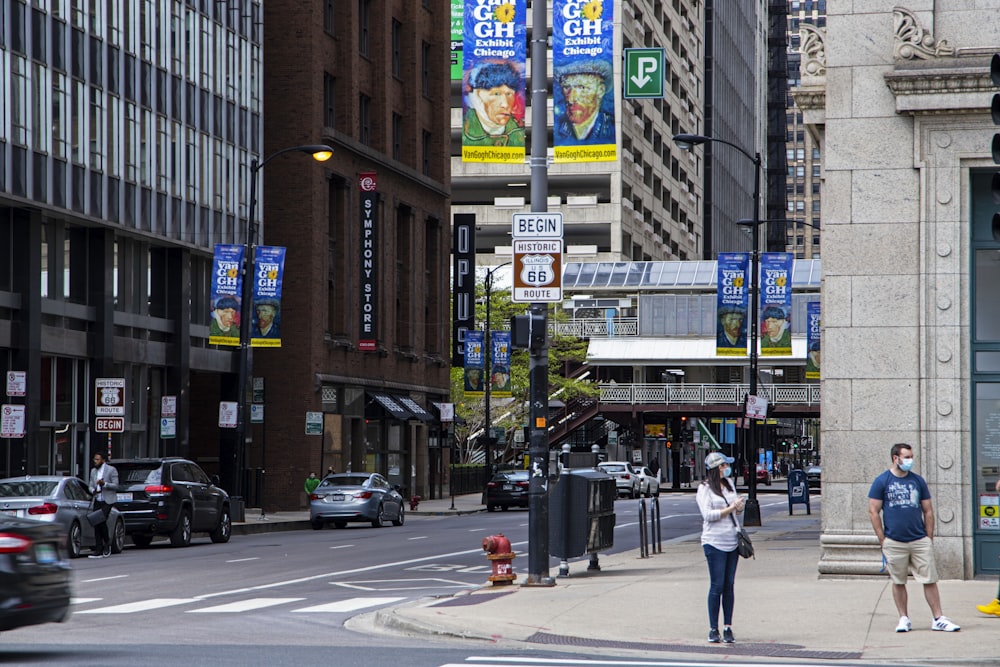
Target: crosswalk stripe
point(348, 605)
point(84, 600)
point(142, 605)
point(244, 605)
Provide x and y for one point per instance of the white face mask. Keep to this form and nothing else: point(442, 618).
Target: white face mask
point(727, 471)
point(905, 464)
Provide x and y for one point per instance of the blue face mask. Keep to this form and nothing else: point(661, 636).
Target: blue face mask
point(727, 471)
point(905, 464)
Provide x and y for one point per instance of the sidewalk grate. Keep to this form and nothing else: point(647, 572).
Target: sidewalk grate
point(748, 649)
point(465, 600)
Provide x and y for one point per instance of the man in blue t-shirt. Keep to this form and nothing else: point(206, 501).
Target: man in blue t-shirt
point(905, 530)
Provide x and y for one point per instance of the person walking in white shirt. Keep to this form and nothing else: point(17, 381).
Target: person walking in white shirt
point(719, 503)
point(104, 486)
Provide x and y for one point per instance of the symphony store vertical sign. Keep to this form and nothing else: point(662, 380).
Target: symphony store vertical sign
point(369, 263)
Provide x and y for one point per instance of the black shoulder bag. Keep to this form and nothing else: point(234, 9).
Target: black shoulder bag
point(743, 543)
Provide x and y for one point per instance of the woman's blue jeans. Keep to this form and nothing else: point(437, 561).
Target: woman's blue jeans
point(722, 576)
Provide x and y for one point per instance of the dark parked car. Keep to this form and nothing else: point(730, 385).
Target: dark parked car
point(507, 489)
point(358, 496)
point(814, 475)
point(62, 501)
point(173, 497)
point(34, 573)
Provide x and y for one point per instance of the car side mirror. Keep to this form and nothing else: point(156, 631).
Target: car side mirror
point(215, 480)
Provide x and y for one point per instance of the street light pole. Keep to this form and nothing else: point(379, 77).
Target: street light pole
point(488, 370)
point(320, 153)
point(751, 516)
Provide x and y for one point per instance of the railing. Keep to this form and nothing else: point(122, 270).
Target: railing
point(708, 394)
point(597, 328)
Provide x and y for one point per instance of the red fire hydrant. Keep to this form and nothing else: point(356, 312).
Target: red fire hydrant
point(497, 548)
point(414, 502)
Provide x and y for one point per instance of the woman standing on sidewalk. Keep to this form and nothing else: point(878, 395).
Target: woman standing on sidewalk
point(718, 502)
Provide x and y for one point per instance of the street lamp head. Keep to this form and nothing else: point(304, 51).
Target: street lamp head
point(320, 152)
point(688, 141)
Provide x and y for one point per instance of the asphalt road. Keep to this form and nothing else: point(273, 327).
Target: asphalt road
point(279, 598)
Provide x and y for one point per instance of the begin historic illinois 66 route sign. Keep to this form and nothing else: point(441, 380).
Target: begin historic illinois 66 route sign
point(537, 270)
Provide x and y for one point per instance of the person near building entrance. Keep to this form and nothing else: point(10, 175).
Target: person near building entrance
point(902, 515)
point(312, 481)
point(993, 608)
point(104, 486)
point(719, 503)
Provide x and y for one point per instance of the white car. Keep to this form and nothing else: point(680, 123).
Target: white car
point(648, 484)
point(626, 479)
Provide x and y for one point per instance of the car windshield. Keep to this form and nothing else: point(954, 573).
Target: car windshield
point(613, 468)
point(345, 480)
point(511, 476)
point(138, 473)
point(27, 487)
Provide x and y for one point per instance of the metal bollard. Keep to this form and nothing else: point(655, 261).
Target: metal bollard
point(657, 534)
point(643, 538)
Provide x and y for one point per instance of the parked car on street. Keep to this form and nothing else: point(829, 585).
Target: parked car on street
point(34, 573)
point(763, 475)
point(173, 497)
point(507, 489)
point(626, 481)
point(62, 501)
point(648, 484)
point(355, 497)
point(814, 475)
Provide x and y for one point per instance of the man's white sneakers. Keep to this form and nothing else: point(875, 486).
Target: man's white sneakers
point(942, 624)
point(904, 624)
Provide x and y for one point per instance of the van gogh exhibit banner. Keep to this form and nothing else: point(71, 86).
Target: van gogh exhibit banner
point(227, 293)
point(583, 96)
point(268, 274)
point(474, 363)
point(493, 61)
point(500, 364)
point(776, 304)
point(731, 303)
point(814, 327)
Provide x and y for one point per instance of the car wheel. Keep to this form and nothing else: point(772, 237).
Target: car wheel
point(142, 541)
point(633, 493)
point(339, 524)
point(316, 524)
point(181, 534)
point(224, 530)
point(379, 517)
point(398, 521)
point(491, 508)
point(505, 507)
point(118, 538)
point(74, 543)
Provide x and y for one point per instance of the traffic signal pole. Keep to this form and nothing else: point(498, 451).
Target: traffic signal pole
point(538, 369)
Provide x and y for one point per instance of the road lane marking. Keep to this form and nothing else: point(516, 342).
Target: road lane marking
point(244, 605)
point(117, 576)
point(342, 546)
point(381, 585)
point(142, 605)
point(343, 606)
point(242, 560)
point(84, 600)
point(421, 537)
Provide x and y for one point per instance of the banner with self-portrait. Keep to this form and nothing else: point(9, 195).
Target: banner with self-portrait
point(500, 364)
point(776, 304)
point(731, 304)
point(494, 52)
point(475, 361)
point(227, 294)
point(268, 274)
point(814, 327)
point(583, 95)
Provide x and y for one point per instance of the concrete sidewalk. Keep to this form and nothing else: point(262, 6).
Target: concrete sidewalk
point(656, 608)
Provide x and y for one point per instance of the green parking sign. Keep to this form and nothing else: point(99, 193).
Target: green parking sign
point(644, 73)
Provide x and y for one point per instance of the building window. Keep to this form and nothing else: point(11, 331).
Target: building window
point(425, 151)
point(397, 36)
point(397, 136)
point(329, 100)
point(364, 18)
point(364, 120)
point(425, 68)
point(328, 22)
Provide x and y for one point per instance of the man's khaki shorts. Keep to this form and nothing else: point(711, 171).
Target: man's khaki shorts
point(900, 557)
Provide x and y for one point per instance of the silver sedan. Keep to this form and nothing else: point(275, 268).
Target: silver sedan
point(355, 497)
point(64, 501)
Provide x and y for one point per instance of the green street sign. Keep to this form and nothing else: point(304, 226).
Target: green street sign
point(644, 73)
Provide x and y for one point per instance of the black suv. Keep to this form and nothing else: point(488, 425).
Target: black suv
point(170, 496)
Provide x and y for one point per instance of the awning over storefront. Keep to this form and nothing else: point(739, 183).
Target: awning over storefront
point(415, 408)
point(390, 405)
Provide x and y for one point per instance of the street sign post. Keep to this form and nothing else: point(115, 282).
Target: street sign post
point(109, 424)
point(109, 397)
point(537, 271)
point(537, 226)
point(644, 73)
point(12, 421)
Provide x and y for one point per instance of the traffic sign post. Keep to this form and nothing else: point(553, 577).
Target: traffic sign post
point(109, 424)
point(645, 73)
point(537, 271)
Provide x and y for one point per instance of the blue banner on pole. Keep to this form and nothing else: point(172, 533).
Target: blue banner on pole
point(731, 304)
point(475, 360)
point(500, 371)
point(776, 304)
point(814, 328)
point(583, 96)
point(268, 272)
point(227, 295)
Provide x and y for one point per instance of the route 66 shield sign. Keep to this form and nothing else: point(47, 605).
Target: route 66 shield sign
point(537, 270)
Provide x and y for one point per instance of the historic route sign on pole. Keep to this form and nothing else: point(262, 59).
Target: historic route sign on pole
point(537, 271)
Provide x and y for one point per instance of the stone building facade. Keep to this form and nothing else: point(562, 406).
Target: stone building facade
point(898, 99)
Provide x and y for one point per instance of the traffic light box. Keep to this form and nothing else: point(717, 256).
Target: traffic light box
point(528, 332)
